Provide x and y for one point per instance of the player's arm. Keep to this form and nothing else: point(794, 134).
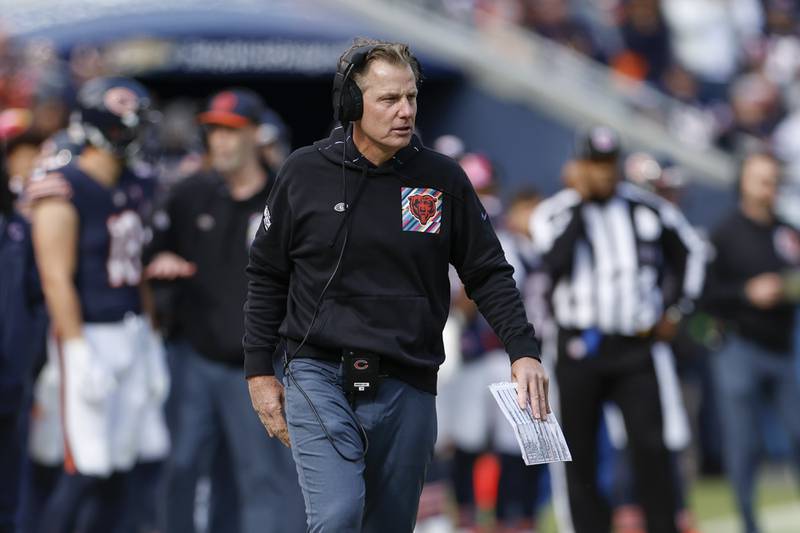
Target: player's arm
point(55, 238)
point(557, 226)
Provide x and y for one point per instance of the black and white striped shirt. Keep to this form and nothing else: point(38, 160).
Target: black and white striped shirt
point(609, 260)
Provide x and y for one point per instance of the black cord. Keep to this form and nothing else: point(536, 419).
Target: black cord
point(287, 370)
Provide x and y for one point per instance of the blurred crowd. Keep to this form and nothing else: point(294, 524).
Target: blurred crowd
point(733, 63)
point(737, 67)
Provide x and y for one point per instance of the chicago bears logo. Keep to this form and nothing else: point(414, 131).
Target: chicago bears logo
point(423, 207)
point(224, 101)
point(121, 101)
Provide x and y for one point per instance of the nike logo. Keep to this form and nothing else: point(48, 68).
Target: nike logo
point(484, 216)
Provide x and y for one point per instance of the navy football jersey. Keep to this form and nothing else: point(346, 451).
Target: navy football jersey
point(110, 240)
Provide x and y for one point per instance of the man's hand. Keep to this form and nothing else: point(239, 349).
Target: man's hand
point(169, 266)
point(531, 379)
point(266, 393)
point(666, 329)
point(765, 290)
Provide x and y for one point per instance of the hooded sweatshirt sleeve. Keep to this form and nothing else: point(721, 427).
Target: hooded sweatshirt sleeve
point(488, 278)
point(268, 274)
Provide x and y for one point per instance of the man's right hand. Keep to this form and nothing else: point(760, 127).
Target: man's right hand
point(169, 266)
point(267, 395)
point(765, 290)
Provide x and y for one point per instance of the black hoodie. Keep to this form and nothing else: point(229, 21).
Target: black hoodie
point(407, 220)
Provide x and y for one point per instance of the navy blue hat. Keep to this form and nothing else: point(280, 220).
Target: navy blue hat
point(234, 108)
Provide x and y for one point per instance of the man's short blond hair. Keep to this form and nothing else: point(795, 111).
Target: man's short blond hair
point(393, 53)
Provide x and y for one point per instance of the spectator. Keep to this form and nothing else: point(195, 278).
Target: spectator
point(756, 106)
point(554, 20)
point(709, 36)
point(646, 35)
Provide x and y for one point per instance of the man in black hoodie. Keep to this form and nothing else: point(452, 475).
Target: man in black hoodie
point(750, 290)
point(351, 265)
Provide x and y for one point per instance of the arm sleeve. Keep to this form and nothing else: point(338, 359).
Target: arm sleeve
point(488, 278)
point(556, 227)
point(720, 291)
point(686, 255)
point(268, 274)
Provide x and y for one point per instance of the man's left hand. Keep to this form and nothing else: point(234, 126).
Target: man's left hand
point(531, 379)
point(666, 329)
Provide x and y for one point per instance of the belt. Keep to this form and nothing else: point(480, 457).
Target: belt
point(314, 352)
point(421, 377)
point(639, 335)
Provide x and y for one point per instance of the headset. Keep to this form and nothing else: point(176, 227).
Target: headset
point(348, 100)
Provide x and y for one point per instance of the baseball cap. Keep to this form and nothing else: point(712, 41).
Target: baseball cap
point(599, 143)
point(234, 108)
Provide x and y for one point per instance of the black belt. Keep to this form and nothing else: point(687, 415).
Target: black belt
point(314, 352)
point(421, 377)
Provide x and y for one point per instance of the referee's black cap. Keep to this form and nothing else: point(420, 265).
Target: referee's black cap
point(598, 143)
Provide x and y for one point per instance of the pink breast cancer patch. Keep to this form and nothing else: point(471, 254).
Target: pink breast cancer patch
point(422, 209)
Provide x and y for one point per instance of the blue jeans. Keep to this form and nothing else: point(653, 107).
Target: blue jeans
point(377, 488)
point(214, 405)
point(747, 376)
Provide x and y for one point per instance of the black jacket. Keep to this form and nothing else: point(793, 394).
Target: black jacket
point(203, 224)
point(391, 294)
point(744, 249)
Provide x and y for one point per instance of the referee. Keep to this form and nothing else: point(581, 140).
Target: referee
point(607, 246)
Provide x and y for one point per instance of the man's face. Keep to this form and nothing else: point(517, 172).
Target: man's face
point(602, 177)
point(21, 161)
point(519, 214)
point(390, 106)
point(230, 148)
point(760, 179)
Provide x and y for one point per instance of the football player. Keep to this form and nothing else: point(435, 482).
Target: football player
point(88, 237)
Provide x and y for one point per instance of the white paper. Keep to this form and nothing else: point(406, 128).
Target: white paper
point(540, 441)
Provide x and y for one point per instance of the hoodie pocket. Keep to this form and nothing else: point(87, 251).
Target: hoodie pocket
point(388, 323)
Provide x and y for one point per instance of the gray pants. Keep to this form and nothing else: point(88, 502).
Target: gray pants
point(376, 491)
point(213, 404)
point(747, 376)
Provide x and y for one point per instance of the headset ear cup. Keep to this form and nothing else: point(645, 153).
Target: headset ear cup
point(352, 102)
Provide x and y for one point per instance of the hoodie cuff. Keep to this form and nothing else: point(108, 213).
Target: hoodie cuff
point(258, 363)
point(523, 346)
